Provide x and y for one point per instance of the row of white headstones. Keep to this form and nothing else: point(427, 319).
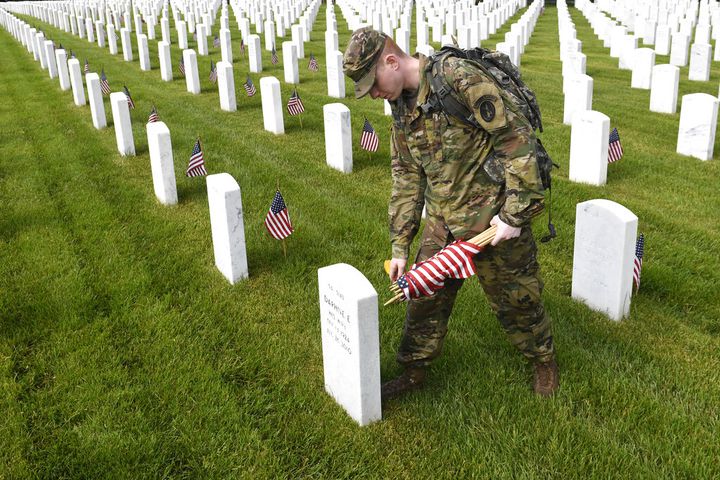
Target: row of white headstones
point(590, 129)
point(605, 234)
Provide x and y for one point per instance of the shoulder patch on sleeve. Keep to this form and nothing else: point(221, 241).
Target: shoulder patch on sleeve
point(487, 105)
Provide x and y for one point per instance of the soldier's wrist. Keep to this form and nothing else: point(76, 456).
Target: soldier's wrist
point(400, 251)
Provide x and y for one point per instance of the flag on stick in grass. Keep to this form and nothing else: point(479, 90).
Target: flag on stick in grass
point(295, 105)
point(104, 85)
point(131, 104)
point(216, 41)
point(87, 67)
point(181, 66)
point(213, 72)
point(615, 150)
point(196, 167)
point(274, 57)
point(637, 267)
point(154, 117)
point(277, 220)
point(313, 64)
point(369, 140)
point(249, 87)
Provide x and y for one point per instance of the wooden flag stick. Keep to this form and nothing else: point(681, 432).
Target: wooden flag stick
point(300, 118)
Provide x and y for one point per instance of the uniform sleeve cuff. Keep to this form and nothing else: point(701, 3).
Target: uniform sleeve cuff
point(400, 251)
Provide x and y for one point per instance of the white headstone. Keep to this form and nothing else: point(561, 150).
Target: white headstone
point(90, 30)
point(297, 38)
point(589, 147)
point(662, 39)
point(338, 137)
point(76, 81)
point(122, 124)
point(335, 75)
point(679, 52)
point(50, 57)
point(698, 121)
point(604, 253)
point(226, 46)
point(100, 33)
point(202, 40)
point(350, 341)
point(143, 52)
point(97, 107)
point(228, 228)
point(578, 96)
point(182, 34)
point(192, 78)
point(226, 86)
point(165, 29)
point(161, 162)
point(254, 53)
point(643, 64)
point(112, 39)
point(290, 63)
point(272, 105)
point(62, 66)
point(165, 62)
point(700, 62)
point(126, 44)
point(664, 88)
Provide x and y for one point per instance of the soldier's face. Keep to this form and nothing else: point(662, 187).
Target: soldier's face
point(388, 79)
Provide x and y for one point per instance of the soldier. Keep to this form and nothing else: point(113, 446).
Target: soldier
point(468, 179)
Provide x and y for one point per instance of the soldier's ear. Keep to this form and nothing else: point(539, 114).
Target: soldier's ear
point(391, 61)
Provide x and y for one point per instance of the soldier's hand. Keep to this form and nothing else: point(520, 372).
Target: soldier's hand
point(397, 268)
point(504, 231)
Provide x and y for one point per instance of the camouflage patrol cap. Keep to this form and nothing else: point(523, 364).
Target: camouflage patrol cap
point(361, 58)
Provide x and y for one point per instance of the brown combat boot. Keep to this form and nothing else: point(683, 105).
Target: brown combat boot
point(410, 379)
point(547, 378)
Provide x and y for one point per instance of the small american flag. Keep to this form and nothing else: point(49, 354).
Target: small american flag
point(369, 140)
point(295, 105)
point(615, 150)
point(213, 72)
point(453, 261)
point(277, 220)
point(249, 87)
point(273, 57)
point(87, 67)
point(196, 167)
point(181, 67)
point(216, 41)
point(104, 85)
point(131, 104)
point(313, 64)
point(639, 252)
point(242, 46)
point(154, 117)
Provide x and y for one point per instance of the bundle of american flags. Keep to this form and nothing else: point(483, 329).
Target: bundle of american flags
point(369, 140)
point(249, 87)
point(277, 220)
point(453, 261)
point(213, 72)
point(274, 57)
point(154, 117)
point(131, 104)
point(615, 150)
point(181, 66)
point(313, 64)
point(295, 105)
point(637, 264)
point(104, 85)
point(196, 166)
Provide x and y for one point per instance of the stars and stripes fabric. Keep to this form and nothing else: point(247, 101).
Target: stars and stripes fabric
point(213, 72)
point(154, 117)
point(216, 41)
point(131, 104)
point(426, 278)
point(196, 166)
point(273, 57)
point(86, 69)
point(277, 220)
point(637, 266)
point(181, 66)
point(313, 64)
point(249, 87)
point(104, 85)
point(369, 140)
point(295, 105)
point(615, 150)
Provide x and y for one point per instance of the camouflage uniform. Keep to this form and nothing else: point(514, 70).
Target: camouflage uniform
point(464, 176)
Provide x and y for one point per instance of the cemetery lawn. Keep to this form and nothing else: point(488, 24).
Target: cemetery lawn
point(124, 353)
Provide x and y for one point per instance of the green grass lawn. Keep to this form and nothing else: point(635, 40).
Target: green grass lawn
point(124, 353)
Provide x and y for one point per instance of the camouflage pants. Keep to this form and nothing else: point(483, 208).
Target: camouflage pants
point(509, 276)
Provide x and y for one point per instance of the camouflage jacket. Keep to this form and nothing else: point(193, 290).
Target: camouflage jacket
point(462, 174)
